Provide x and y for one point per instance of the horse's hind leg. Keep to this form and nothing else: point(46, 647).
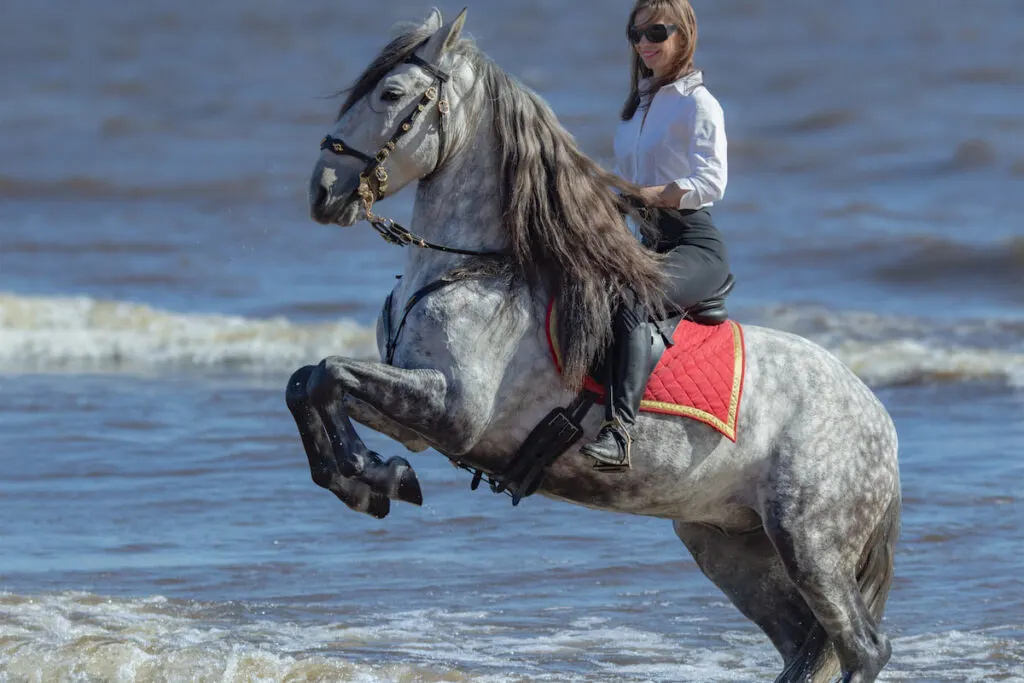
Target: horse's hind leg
point(747, 569)
point(821, 559)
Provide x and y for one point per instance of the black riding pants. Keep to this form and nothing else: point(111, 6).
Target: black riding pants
point(696, 265)
point(696, 260)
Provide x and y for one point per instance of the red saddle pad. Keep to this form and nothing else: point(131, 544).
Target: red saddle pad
point(700, 377)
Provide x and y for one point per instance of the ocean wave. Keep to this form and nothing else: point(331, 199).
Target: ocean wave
point(972, 154)
point(903, 350)
point(86, 637)
point(995, 267)
point(822, 120)
point(945, 263)
point(907, 361)
point(83, 637)
point(76, 334)
point(984, 75)
point(82, 334)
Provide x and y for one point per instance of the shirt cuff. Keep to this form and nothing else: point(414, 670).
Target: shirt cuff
point(689, 193)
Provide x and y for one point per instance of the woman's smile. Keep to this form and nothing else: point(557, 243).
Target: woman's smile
point(648, 54)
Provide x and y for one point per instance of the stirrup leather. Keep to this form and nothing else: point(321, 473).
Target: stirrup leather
point(626, 463)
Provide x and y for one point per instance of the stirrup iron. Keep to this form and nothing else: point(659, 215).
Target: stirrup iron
point(627, 462)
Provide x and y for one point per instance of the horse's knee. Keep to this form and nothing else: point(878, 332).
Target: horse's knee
point(295, 394)
point(322, 477)
point(322, 384)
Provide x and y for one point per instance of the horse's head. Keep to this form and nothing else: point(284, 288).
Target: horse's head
point(394, 128)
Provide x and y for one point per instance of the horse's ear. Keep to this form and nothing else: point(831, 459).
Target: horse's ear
point(434, 22)
point(444, 38)
point(456, 30)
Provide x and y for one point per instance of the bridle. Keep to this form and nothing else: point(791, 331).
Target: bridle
point(375, 164)
point(373, 181)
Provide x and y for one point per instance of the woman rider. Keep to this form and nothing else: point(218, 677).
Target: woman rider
point(671, 143)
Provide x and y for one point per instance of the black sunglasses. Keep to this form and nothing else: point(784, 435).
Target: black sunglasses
point(655, 33)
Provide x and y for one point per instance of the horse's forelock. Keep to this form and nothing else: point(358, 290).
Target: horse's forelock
point(393, 54)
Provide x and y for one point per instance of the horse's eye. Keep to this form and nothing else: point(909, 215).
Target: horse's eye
point(391, 95)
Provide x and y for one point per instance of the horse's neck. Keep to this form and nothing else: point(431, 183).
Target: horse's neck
point(459, 206)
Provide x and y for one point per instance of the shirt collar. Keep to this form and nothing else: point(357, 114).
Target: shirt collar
point(684, 85)
point(688, 83)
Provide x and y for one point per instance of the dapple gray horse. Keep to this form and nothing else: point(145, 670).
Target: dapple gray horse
point(796, 521)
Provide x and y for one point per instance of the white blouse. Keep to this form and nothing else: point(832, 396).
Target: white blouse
point(681, 140)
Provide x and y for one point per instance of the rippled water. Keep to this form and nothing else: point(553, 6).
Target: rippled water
point(159, 280)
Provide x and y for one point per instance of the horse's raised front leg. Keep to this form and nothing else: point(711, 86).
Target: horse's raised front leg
point(394, 478)
point(323, 465)
point(365, 414)
point(420, 400)
point(415, 401)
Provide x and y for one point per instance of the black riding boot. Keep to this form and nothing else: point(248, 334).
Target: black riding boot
point(630, 370)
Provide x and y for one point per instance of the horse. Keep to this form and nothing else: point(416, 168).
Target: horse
point(795, 520)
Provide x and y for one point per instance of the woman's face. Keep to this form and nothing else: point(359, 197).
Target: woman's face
point(658, 57)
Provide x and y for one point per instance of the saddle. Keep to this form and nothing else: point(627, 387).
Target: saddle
point(711, 311)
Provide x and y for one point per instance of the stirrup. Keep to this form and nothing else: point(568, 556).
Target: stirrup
point(626, 463)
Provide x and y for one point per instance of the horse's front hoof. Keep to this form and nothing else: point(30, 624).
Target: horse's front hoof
point(407, 488)
point(361, 498)
point(379, 506)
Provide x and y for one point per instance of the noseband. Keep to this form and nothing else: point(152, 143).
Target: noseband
point(390, 230)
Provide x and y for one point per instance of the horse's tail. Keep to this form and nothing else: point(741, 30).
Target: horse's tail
point(876, 572)
point(818, 662)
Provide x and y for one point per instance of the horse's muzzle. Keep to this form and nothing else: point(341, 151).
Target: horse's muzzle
point(332, 194)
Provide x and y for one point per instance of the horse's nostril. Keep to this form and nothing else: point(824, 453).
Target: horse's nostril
point(318, 210)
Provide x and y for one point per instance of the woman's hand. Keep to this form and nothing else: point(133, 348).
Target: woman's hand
point(662, 196)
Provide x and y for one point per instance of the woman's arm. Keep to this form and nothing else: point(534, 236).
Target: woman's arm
point(706, 154)
point(709, 172)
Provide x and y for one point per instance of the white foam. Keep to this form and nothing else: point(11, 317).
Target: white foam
point(81, 334)
point(892, 350)
point(54, 334)
point(84, 637)
point(908, 361)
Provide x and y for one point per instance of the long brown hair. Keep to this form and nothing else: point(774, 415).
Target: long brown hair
point(678, 12)
point(564, 223)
